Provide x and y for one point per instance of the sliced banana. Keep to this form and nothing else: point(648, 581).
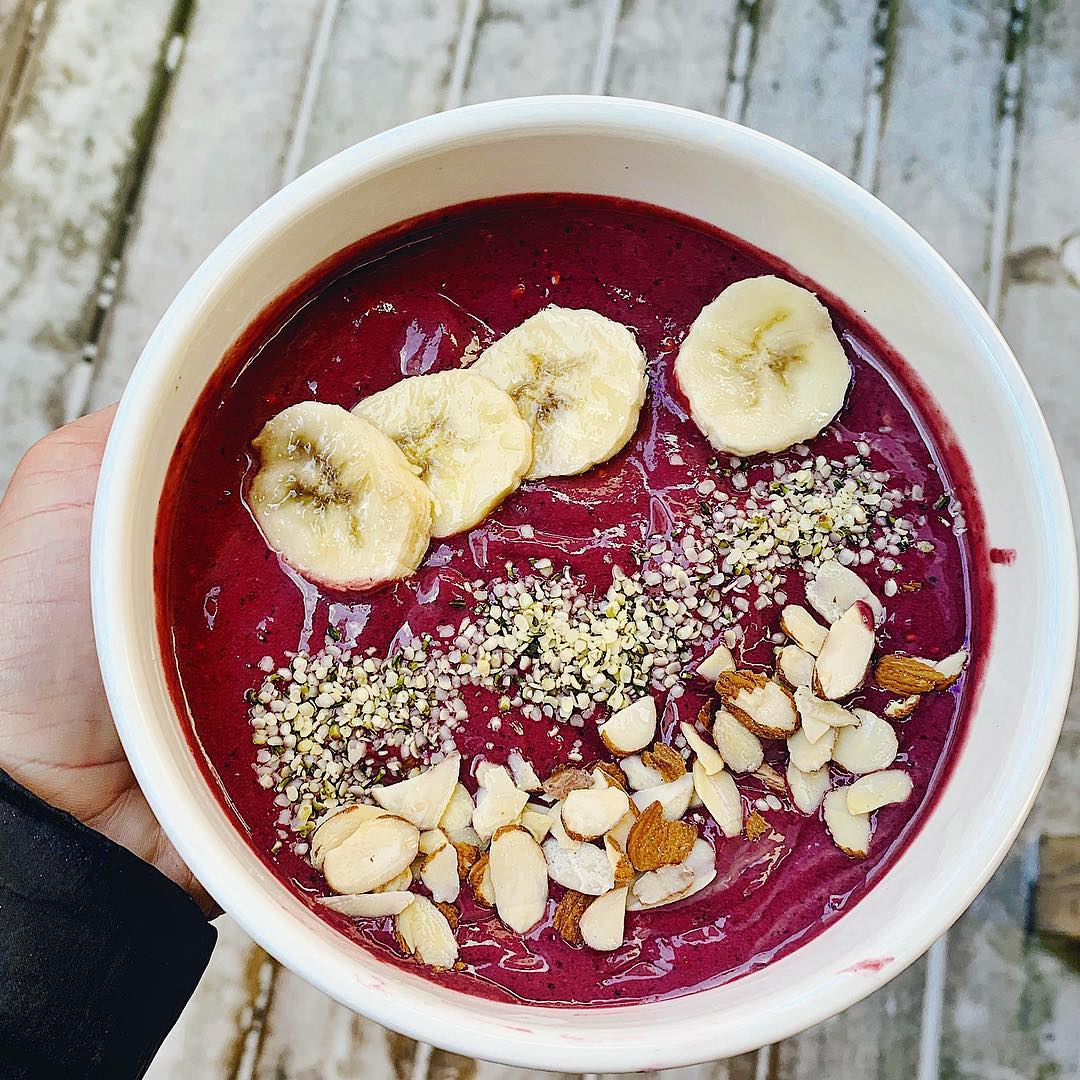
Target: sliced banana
point(336, 499)
point(762, 367)
point(465, 436)
point(577, 378)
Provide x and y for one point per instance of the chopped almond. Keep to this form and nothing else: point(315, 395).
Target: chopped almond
point(601, 925)
point(799, 625)
point(871, 792)
point(368, 905)
point(423, 798)
point(741, 750)
point(845, 657)
point(586, 869)
point(654, 841)
point(674, 797)
point(721, 798)
point(760, 705)
point(756, 826)
point(850, 832)
point(587, 815)
point(567, 778)
point(716, 663)
point(868, 747)
point(379, 850)
point(807, 788)
point(630, 729)
point(519, 878)
point(666, 760)
point(902, 708)
point(424, 932)
point(622, 830)
point(710, 758)
point(567, 917)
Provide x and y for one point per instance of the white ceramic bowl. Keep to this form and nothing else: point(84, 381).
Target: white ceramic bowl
point(828, 228)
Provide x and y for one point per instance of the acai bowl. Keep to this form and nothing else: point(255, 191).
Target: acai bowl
point(682, 620)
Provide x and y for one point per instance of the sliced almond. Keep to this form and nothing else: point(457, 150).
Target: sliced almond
point(567, 778)
point(402, 883)
point(608, 774)
point(902, 708)
point(480, 881)
point(721, 798)
point(587, 815)
point(666, 760)
point(795, 666)
point(756, 826)
point(467, 854)
point(845, 657)
point(870, 793)
point(338, 826)
point(799, 625)
point(519, 877)
point(710, 758)
point(622, 829)
point(587, 869)
point(369, 905)
point(850, 832)
point(456, 821)
point(558, 831)
point(423, 798)
point(914, 675)
point(498, 802)
point(866, 748)
point(537, 821)
point(716, 663)
point(567, 917)
point(620, 863)
point(439, 874)
point(424, 932)
point(810, 756)
point(524, 775)
point(630, 729)
point(835, 588)
point(604, 920)
point(807, 788)
point(771, 778)
point(656, 841)
point(819, 716)
point(638, 774)
point(740, 748)
point(671, 883)
point(673, 797)
point(432, 840)
point(759, 704)
point(377, 851)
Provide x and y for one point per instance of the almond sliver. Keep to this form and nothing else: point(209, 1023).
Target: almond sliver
point(709, 758)
point(630, 729)
point(377, 851)
point(759, 704)
point(498, 802)
point(671, 883)
point(807, 788)
point(524, 775)
point(424, 932)
point(519, 878)
point(835, 588)
point(875, 790)
point(601, 925)
point(845, 657)
point(810, 756)
point(850, 832)
point(439, 875)
point(716, 663)
point(338, 826)
point(587, 815)
point(587, 869)
point(868, 747)
point(674, 797)
point(741, 749)
point(423, 798)
point(795, 666)
point(638, 774)
point(799, 625)
point(720, 797)
point(456, 821)
point(369, 905)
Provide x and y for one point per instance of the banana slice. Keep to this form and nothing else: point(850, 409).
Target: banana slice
point(577, 378)
point(336, 499)
point(762, 367)
point(465, 436)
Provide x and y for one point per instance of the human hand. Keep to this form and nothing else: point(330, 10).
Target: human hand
point(57, 737)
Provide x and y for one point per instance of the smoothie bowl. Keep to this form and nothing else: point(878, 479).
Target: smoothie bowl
point(568, 572)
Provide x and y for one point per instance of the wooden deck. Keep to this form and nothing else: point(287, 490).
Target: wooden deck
point(135, 133)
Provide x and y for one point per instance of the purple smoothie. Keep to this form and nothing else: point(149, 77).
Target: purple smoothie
point(421, 298)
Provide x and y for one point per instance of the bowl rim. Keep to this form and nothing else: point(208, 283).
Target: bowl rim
point(460, 1025)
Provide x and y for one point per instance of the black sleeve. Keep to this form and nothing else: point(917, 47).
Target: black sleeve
point(99, 952)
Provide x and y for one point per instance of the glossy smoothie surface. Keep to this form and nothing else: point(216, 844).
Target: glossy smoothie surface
point(429, 298)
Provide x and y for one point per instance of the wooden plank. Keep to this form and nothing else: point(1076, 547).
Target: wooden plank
point(1012, 1001)
point(534, 47)
point(807, 84)
point(254, 54)
point(677, 53)
point(70, 152)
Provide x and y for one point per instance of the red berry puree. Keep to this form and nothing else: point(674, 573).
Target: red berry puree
point(429, 296)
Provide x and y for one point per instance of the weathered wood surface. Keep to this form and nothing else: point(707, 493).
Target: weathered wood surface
point(133, 136)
